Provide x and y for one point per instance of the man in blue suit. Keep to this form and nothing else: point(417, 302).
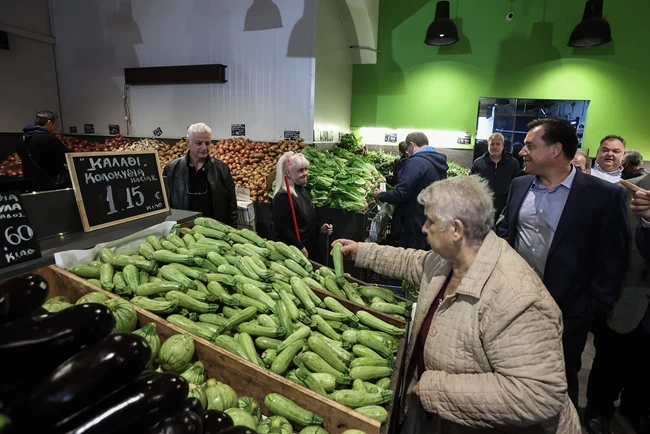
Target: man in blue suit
point(571, 229)
point(424, 166)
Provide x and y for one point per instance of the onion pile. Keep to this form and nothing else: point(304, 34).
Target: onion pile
point(251, 162)
point(167, 153)
point(12, 166)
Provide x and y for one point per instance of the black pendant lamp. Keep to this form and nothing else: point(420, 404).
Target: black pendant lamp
point(594, 30)
point(442, 30)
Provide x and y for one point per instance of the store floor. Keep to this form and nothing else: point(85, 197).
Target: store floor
point(619, 425)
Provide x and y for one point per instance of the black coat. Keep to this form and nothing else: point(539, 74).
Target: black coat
point(499, 176)
point(417, 173)
point(306, 215)
point(224, 200)
point(586, 261)
point(43, 157)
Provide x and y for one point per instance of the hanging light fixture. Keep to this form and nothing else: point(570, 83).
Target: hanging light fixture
point(593, 30)
point(442, 30)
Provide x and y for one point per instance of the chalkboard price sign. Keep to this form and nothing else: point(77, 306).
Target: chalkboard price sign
point(18, 241)
point(116, 187)
point(237, 130)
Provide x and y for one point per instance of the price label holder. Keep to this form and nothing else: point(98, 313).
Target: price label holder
point(291, 134)
point(116, 187)
point(19, 243)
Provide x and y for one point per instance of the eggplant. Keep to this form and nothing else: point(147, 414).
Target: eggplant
point(84, 378)
point(22, 296)
point(239, 430)
point(31, 348)
point(193, 405)
point(183, 422)
point(131, 409)
point(215, 421)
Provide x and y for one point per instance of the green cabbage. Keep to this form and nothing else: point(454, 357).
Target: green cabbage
point(124, 313)
point(251, 406)
point(241, 418)
point(199, 393)
point(275, 425)
point(176, 353)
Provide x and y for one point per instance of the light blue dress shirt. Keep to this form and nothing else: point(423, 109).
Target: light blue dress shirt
point(538, 219)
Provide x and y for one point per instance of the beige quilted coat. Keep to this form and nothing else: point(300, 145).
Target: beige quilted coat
point(493, 357)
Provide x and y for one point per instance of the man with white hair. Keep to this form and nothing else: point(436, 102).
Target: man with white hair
point(197, 182)
point(499, 168)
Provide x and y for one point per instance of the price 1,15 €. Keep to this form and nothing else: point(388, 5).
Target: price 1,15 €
point(133, 198)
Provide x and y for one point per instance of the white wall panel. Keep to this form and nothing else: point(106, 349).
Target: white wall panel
point(269, 71)
point(333, 84)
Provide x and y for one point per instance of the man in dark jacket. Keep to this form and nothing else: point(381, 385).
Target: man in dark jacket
point(421, 169)
point(570, 228)
point(197, 182)
point(499, 169)
point(43, 155)
point(633, 165)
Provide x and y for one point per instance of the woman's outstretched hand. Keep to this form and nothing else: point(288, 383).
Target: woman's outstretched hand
point(349, 248)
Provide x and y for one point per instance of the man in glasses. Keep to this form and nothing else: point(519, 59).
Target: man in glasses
point(197, 182)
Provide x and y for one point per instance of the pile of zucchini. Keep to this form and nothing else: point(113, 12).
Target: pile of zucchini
point(255, 298)
point(72, 369)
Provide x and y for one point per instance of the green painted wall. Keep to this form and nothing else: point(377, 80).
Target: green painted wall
point(414, 85)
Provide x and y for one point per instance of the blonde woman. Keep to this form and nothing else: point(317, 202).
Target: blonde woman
point(295, 167)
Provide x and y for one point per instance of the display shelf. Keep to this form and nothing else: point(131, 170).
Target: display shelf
point(247, 379)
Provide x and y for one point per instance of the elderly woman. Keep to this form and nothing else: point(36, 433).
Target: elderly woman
point(295, 167)
point(485, 354)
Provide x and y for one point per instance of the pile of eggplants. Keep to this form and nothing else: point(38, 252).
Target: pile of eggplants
point(65, 373)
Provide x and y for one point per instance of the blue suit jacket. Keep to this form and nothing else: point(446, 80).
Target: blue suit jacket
point(587, 258)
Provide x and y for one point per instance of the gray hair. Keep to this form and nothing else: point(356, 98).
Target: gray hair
point(198, 128)
point(634, 158)
point(492, 137)
point(292, 159)
point(465, 198)
point(420, 139)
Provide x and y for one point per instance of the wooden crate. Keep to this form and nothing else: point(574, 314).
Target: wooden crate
point(247, 379)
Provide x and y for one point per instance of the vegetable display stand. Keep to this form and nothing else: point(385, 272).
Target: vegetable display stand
point(247, 379)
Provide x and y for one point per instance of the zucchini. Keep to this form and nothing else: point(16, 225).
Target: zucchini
point(238, 239)
point(106, 272)
point(253, 237)
point(257, 294)
point(350, 336)
point(188, 271)
point(279, 278)
point(246, 342)
point(155, 288)
point(296, 268)
point(365, 352)
point(288, 253)
point(169, 257)
point(356, 399)
point(260, 271)
point(171, 274)
point(370, 372)
point(326, 380)
point(175, 240)
point(241, 317)
point(374, 342)
point(96, 282)
point(328, 315)
point(335, 306)
point(384, 383)
point(154, 242)
point(231, 344)
point(105, 255)
point(245, 268)
point(291, 376)
point(175, 230)
point(315, 363)
point(375, 291)
point(198, 237)
point(212, 224)
point(285, 357)
point(218, 291)
point(310, 381)
point(333, 287)
point(326, 272)
point(389, 308)
point(118, 282)
point(213, 318)
point(245, 301)
point(284, 317)
point(301, 333)
point(86, 271)
point(372, 388)
point(313, 284)
point(241, 280)
point(281, 406)
point(359, 386)
point(210, 242)
point(278, 268)
point(202, 250)
point(337, 259)
point(319, 347)
point(190, 303)
point(373, 322)
point(154, 306)
point(300, 290)
point(201, 287)
point(338, 347)
point(202, 296)
point(266, 321)
point(146, 250)
point(209, 233)
point(374, 412)
point(269, 357)
point(229, 312)
point(95, 264)
point(144, 277)
point(166, 245)
point(191, 326)
point(216, 259)
point(229, 269)
point(352, 294)
point(131, 276)
point(266, 343)
point(258, 330)
point(291, 307)
point(323, 327)
point(121, 261)
point(189, 240)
